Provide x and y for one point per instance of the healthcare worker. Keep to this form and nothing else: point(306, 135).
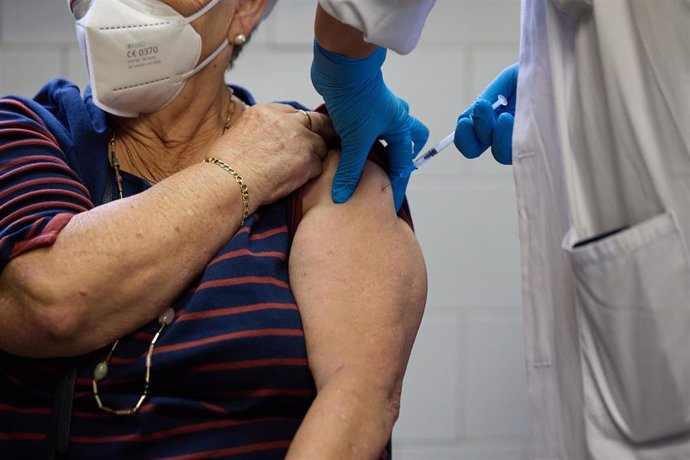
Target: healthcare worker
point(351, 41)
point(601, 155)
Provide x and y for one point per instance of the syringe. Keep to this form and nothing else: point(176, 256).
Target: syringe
point(436, 149)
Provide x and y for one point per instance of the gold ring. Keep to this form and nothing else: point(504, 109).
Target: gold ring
point(308, 118)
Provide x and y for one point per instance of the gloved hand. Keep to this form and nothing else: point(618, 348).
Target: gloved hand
point(480, 126)
point(362, 110)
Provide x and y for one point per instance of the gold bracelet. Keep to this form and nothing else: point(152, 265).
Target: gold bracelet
point(243, 187)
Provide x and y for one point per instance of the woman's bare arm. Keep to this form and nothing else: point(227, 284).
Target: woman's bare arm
point(359, 279)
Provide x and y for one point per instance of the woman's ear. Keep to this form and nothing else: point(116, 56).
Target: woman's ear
point(248, 15)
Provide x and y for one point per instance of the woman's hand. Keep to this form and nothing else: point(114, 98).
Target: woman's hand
point(274, 149)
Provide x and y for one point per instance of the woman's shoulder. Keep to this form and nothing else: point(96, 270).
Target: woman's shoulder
point(59, 107)
point(57, 122)
point(373, 190)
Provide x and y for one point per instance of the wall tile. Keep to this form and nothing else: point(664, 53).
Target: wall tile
point(494, 449)
point(496, 391)
point(473, 21)
point(294, 22)
point(36, 21)
point(24, 71)
point(468, 230)
point(275, 76)
point(434, 383)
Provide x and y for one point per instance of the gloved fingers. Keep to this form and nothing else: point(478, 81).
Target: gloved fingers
point(399, 187)
point(504, 84)
point(466, 140)
point(483, 120)
point(353, 156)
point(510, 89)
point(419, 134)
point(510, 80)
point(399, 153)
point(502, 146)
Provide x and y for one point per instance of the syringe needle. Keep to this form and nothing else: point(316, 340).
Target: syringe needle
point(436, 149)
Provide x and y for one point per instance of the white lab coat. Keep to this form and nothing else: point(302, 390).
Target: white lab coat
point(602, 146)
point(393, 24)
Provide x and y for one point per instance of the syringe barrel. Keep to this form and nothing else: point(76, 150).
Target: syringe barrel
point(445, 142)
point(418, 162)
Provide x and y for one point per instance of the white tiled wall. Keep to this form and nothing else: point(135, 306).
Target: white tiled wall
point(465, 394)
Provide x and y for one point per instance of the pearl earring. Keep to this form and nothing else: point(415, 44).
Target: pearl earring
point(240, 39)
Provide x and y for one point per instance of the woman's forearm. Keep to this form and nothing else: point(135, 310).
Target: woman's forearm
point(116, 267)
point(351, 418)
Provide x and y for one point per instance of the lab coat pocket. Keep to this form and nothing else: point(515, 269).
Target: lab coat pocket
point(633, 290)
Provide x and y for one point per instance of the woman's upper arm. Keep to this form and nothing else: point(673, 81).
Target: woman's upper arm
point(359, 279)
point(39, 194)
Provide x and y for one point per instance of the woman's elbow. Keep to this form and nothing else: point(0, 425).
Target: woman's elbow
point(38, 314)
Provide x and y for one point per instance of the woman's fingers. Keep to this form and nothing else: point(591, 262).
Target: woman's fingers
point(275, 150)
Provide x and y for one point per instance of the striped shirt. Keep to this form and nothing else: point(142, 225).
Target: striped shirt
point(229, 375)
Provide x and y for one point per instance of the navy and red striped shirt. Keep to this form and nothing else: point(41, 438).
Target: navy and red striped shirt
point(229, 375)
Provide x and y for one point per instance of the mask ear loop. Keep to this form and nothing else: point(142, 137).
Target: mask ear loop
point(189, 19)
point(212, 56)
point(185, 76)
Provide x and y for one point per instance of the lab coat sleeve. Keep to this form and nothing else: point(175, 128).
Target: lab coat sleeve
point(575, 8)
point(393, 24)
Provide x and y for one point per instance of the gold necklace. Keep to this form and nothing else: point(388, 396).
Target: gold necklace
point(149, 178)
point(100, 372)
point(130, 160)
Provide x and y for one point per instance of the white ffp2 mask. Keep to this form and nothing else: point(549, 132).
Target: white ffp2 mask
point(139, 53)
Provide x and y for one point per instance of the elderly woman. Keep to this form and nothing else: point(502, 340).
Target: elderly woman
point(167, 265)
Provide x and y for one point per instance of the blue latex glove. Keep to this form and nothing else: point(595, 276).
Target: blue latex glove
point(480, 126)
point(363, 110)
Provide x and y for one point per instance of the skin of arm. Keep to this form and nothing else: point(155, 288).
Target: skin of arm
point(359, 278)
point(340, 38)
point(116, 267)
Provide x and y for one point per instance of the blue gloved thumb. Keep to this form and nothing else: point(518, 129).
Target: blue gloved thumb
point(484, 120)
point(399, 153)
point(466, 140)
point(419, 134)
point(504, 84)
point(478, 126)
point(501, 147)
point(353, 155)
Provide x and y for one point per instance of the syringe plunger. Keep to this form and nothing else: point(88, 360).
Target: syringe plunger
point(436, 149)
